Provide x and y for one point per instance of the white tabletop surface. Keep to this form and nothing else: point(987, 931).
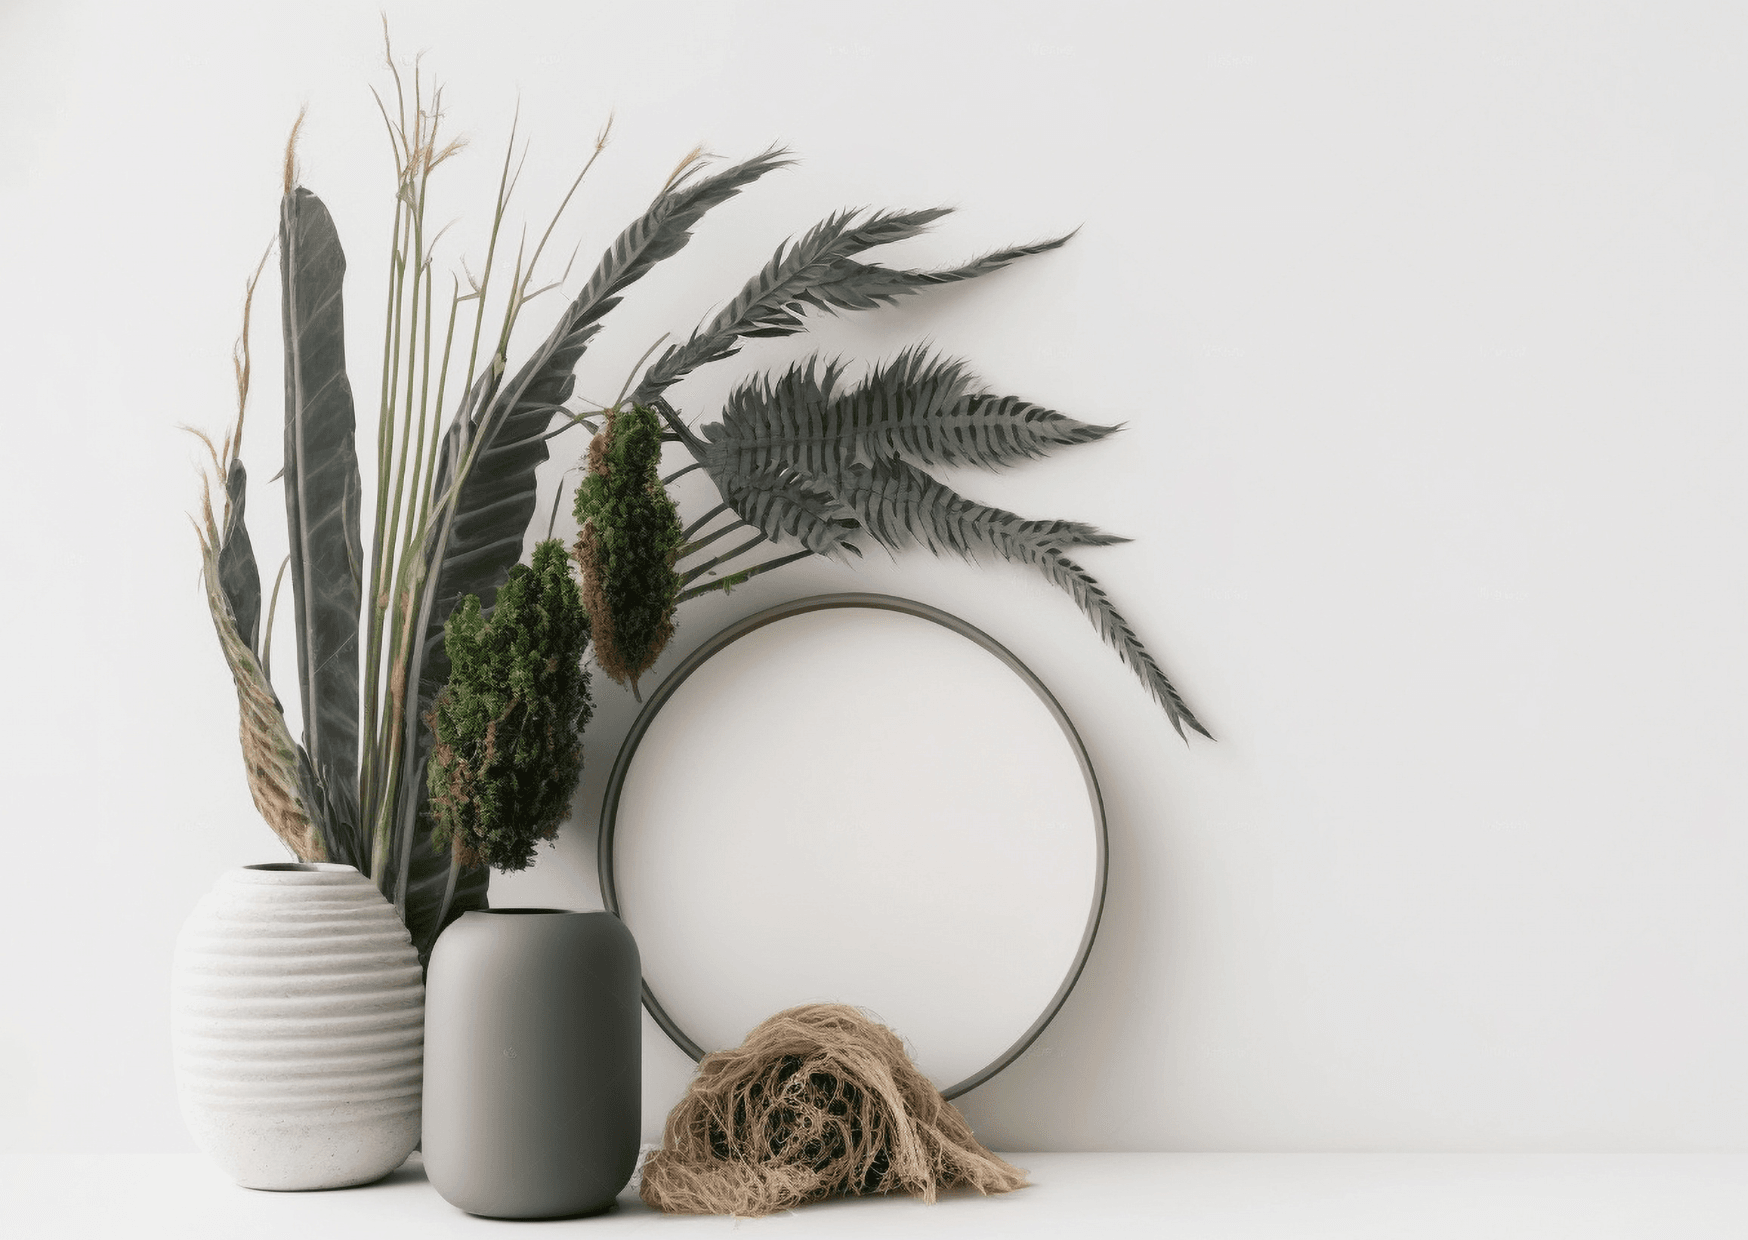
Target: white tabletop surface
point(1200, 1196)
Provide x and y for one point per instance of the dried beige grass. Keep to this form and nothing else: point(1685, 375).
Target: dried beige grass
point(270, 756)
point(818, 1101)
point(688, 162)
point(290, 170)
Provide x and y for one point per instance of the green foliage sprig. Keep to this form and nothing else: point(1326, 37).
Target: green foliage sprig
point(508, 725)
point(629, 535)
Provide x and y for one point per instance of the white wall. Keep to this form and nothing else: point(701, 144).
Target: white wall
point(1426, 323)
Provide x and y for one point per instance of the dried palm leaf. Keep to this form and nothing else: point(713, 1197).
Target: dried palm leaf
point(273, 762)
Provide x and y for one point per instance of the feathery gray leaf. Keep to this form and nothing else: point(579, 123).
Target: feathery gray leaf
point(774, 302)
point(862, 286)
point(1098, 607)
point(781, 502)
point(928, 410)
point(900, 505)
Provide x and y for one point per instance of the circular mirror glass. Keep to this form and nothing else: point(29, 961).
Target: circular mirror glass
point(857, 799)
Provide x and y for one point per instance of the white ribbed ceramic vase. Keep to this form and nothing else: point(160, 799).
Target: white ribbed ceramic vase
point(298, 1019)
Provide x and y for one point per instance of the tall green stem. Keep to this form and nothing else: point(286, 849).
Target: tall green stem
point(423, 493)
point(479, 317)
point(367, 732)
point(701, 522)
point(692, 548)
point(392, 561)
point(691, 575)
point(369, 795)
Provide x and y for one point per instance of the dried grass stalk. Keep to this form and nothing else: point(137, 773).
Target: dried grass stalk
point(818, 1101)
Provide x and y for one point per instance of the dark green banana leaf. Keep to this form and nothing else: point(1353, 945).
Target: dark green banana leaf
point(322, 501)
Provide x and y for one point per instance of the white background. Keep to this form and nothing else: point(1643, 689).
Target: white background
point(1427, 326)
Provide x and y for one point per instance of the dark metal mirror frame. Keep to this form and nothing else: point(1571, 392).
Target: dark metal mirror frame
point(879, 602)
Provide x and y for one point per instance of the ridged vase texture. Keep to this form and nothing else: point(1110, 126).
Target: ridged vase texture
point(298, 1019)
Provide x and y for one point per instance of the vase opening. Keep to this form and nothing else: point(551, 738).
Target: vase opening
point(502, 912)
point(303, 866)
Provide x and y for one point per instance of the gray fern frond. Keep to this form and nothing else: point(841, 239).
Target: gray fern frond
point(900, 505)
point(547, 379)
point(661, 232)
point(772, 303)
point(780, 502)
point(928, 410)
point(1097, 606)
point(799, 456)
point(863, 286)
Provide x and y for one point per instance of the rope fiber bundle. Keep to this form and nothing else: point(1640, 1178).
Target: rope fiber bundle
point(818, 1101)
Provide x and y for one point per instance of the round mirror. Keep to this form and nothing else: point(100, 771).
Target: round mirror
point(857, 799)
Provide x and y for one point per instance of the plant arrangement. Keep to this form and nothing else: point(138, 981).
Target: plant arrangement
point(441, 683)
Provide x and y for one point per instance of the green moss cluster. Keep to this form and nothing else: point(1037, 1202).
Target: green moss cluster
point(629, 534)
point(508, 725)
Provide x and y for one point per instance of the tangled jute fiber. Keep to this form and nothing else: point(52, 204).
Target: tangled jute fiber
point(818, 1101)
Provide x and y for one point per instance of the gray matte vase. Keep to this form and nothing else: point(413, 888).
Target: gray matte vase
point(533, 1062)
